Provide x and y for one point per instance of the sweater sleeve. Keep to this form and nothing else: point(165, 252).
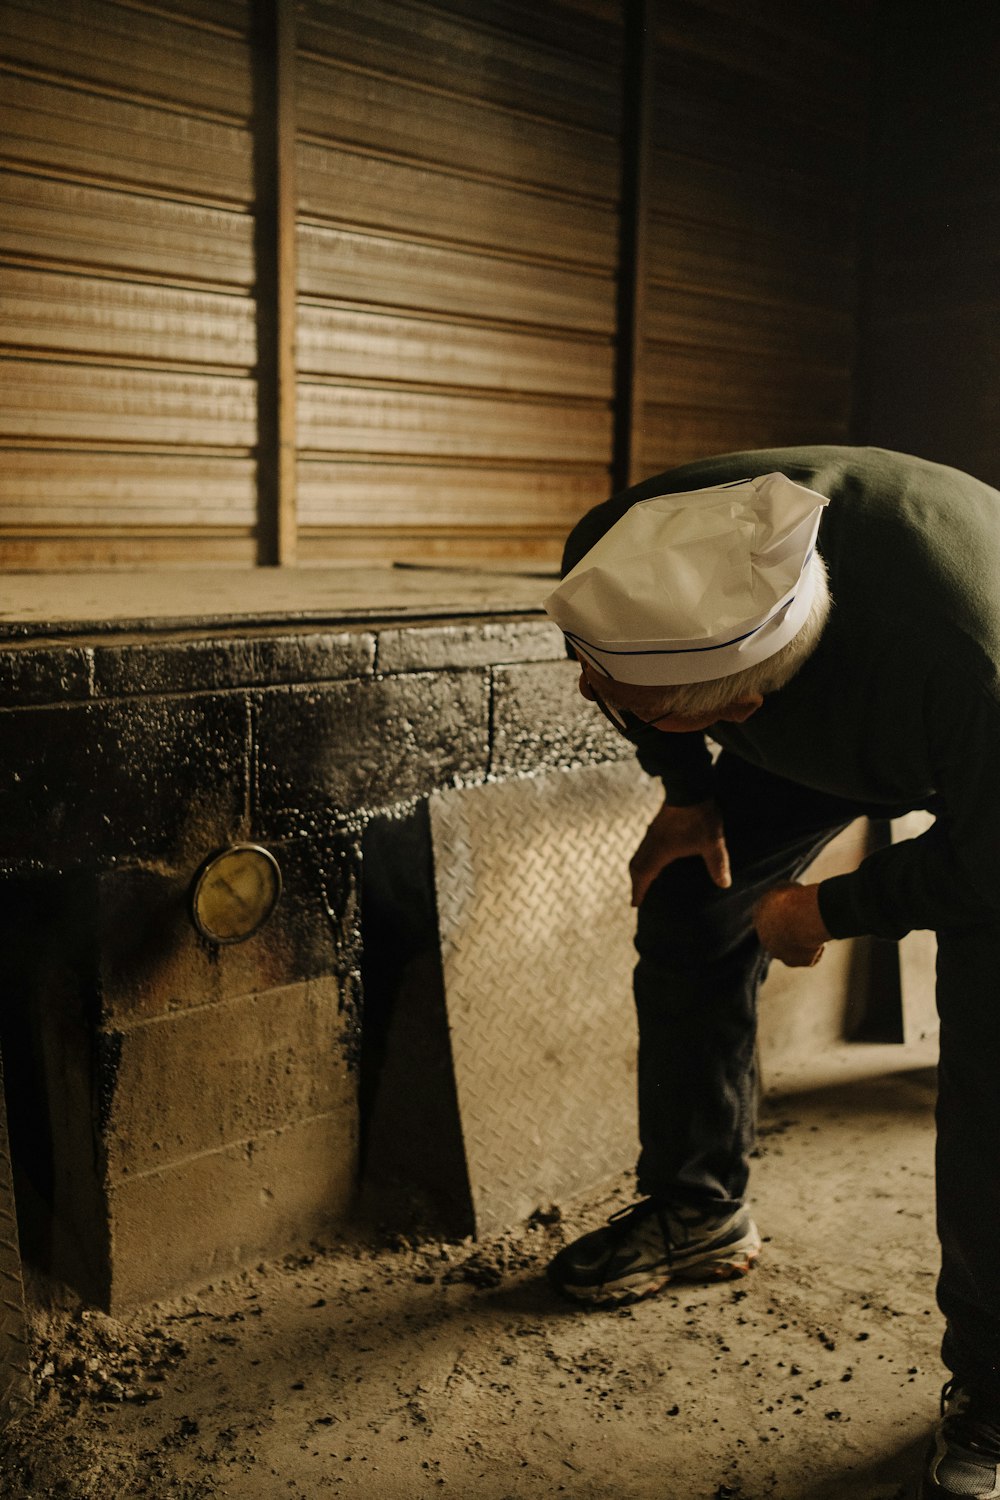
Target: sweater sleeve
point(682, 762)
point(950, 875)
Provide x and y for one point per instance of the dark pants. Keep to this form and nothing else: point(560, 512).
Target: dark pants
point(696, 982)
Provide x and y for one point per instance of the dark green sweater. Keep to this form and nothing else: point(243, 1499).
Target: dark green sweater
point(900, 703)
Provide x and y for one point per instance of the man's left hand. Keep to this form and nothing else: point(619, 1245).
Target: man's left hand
point(789, 925)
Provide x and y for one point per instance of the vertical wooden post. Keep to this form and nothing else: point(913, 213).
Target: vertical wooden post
point(640, 39)
point(274, 153)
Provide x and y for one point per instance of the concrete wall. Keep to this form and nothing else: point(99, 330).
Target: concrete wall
point(180, 1108)
point(177, 1107)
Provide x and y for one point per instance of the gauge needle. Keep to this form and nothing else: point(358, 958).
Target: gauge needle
point(240, 900)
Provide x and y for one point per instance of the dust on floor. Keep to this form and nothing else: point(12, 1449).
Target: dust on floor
point(399, 1369)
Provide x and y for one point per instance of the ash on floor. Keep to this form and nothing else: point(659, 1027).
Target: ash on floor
point(397, 1368)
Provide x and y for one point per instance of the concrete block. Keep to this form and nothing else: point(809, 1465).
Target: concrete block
point(540, 721)
point(204, 663)
point(179, 1228)
point(152, 961)
point(211, 1077)
point(156, 777)
point(468, 644)
point(324, 753)
point(33, 673)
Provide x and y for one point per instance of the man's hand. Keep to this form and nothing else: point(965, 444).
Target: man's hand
point(789, 925)
point(677, 833)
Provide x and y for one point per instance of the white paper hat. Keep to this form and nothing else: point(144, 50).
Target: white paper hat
point(692, 587)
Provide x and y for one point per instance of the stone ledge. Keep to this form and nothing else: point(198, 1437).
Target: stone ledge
point(87, 668)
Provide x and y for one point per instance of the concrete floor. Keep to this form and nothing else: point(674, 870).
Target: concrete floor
point(394, 1370)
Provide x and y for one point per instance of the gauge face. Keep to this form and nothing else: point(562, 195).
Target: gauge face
point(235, 892)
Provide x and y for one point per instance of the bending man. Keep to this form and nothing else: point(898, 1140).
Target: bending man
point(831, 616)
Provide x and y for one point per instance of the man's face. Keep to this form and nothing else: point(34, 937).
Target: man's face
point(642, 702)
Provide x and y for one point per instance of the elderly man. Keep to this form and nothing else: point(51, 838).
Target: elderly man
point(831, 616)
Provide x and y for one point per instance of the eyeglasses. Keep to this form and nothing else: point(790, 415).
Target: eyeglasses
point(621, 717)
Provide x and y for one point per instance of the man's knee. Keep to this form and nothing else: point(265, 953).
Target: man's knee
point(686, 920)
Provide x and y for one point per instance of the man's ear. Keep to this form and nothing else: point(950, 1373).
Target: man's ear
point(740, 711)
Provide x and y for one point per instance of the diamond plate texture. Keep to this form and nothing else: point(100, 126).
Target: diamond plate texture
point(536, 933)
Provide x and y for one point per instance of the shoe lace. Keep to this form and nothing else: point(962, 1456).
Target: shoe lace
point(624, 1218)
point(971, 1422)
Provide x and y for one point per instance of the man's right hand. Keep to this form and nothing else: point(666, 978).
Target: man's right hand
point(678, 833)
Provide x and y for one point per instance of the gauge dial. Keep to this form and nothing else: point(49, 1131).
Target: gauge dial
point(234, 893)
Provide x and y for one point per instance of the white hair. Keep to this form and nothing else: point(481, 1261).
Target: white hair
point(694, 699)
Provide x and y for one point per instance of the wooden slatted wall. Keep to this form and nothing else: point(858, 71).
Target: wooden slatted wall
point(455, 236)
point(934, 333)
point(128, 400)
point(756, 180)
point(458, 176)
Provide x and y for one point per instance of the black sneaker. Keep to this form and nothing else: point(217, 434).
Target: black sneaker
point(644, 1247)
point(964, 1456)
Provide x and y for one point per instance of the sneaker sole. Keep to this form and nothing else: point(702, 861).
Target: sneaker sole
point(724, 1265)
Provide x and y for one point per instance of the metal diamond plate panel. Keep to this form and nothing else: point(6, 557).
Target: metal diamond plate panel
point(536, 943)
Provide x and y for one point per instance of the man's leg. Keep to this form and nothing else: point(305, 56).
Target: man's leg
point(696, 983)
point(964, 1458)
point(968, 1153)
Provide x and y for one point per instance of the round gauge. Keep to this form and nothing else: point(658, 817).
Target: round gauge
point(234, 893)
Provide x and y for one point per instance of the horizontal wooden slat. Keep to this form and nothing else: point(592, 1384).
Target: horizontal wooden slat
point(359, 191)
point(75, 133)
point(125, 50)
point(762, 266)
point(380, 495)
point(713, 320)
point(232, 16)
point(121, 489)
point(735, 380)
point(65, 222)
point(587, 28)
point(336, 418)
point(389, 116)
point(717, 116)
point(464, 57)
point(347, 342)
point(760, 130)
point(737, 200)
point(815, 50)
point(431, 546)
point(391, 273)
point(88, 315)
point(679, 436)
point(115, 548)
point(80, 402)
